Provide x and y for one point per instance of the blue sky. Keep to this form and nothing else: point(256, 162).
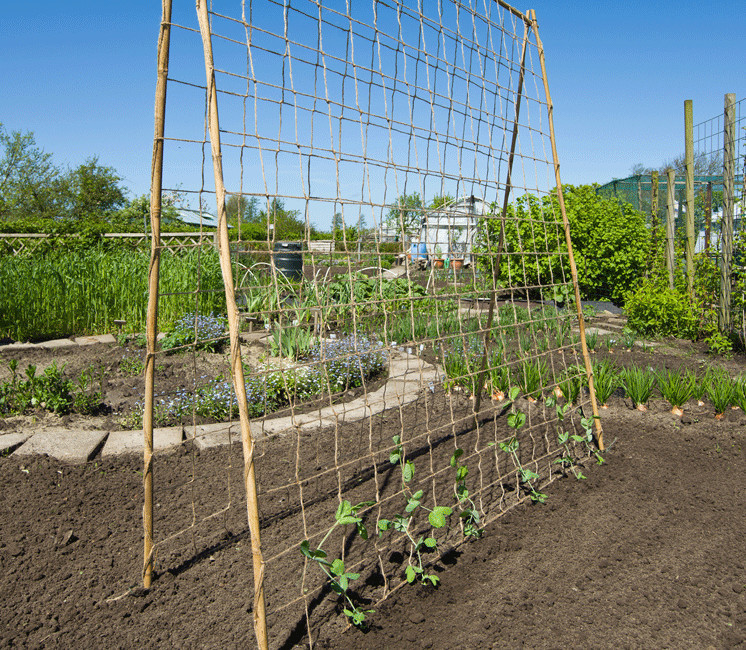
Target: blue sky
point(81, 77)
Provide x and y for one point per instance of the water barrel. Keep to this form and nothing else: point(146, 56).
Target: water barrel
point(419, 251)
point(288, 258)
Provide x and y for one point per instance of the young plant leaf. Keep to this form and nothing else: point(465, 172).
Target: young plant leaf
point(411, 575)
point(437, 517)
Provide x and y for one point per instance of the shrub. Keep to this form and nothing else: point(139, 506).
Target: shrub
point(655, 309)
point(610, 240)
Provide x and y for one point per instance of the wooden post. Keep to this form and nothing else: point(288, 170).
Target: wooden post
point(689, 153)
point(239, 383)
point(670, 224)
point(726, 224)
point(506, 199)
point(708, 216)
point(653, 217)
point(568, 240)
point(151, 327)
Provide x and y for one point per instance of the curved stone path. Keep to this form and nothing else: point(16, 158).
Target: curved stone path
point(408, 376)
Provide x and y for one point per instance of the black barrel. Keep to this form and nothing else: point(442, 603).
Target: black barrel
point(288, 258)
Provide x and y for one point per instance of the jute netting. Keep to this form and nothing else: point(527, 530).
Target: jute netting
point(398, 357)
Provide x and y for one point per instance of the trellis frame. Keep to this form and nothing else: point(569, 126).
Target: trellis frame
point(260, 626)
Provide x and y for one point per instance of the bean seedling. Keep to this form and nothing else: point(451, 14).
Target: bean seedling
point(516, 419)
point(335, 570)
point(402, 523)
point(470, 514)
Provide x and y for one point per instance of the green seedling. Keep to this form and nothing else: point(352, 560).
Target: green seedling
point(516, 420)
point(469, 514)
point(591, 339)
point(721, 390)
point(605, 381)
point(338, 576)
point(403, 523)
point(567, 460)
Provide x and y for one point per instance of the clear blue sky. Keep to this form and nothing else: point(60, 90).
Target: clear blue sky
point(81, 77)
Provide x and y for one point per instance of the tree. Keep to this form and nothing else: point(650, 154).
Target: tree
point(405, 215)
point(704, 165)
point(91, 192)
point(439, 201)
point(241, 208)
point(28, 178)
point(136, 214)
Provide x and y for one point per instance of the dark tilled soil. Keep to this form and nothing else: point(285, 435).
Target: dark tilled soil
point(646, 552)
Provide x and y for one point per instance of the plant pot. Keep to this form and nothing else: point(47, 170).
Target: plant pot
point(457, 264)
point(438, 263)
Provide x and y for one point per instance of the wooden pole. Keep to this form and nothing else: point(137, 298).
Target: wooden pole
point(689, 153)
point(239, 384)
point(568, 239)
point(708, 216)
point(151, 327)
point(501, 238)
point(670, 224)
point(726, 224)
point(653, 217)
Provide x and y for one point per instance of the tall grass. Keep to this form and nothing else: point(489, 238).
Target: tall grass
point(78, 292)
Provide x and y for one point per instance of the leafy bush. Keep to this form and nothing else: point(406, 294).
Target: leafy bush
point(610, 241)
point(655, 309)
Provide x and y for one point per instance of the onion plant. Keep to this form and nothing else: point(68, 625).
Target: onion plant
point(677, 388)
point(638, 383)
point(531, 377)
point(721, 390)
point(605, 381)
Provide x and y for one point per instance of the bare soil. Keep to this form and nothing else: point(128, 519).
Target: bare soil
point(646, 552)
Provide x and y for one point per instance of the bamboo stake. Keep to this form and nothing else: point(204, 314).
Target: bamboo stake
point(156, 185)
point(568, 239)
point(689, 153)
point(239, 385)
point(501, 238)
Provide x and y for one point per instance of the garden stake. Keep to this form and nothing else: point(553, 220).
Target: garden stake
point(156, 180)
point(239, 383)
point(568, 240)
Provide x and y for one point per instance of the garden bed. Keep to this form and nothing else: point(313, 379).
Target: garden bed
point(646, 551)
